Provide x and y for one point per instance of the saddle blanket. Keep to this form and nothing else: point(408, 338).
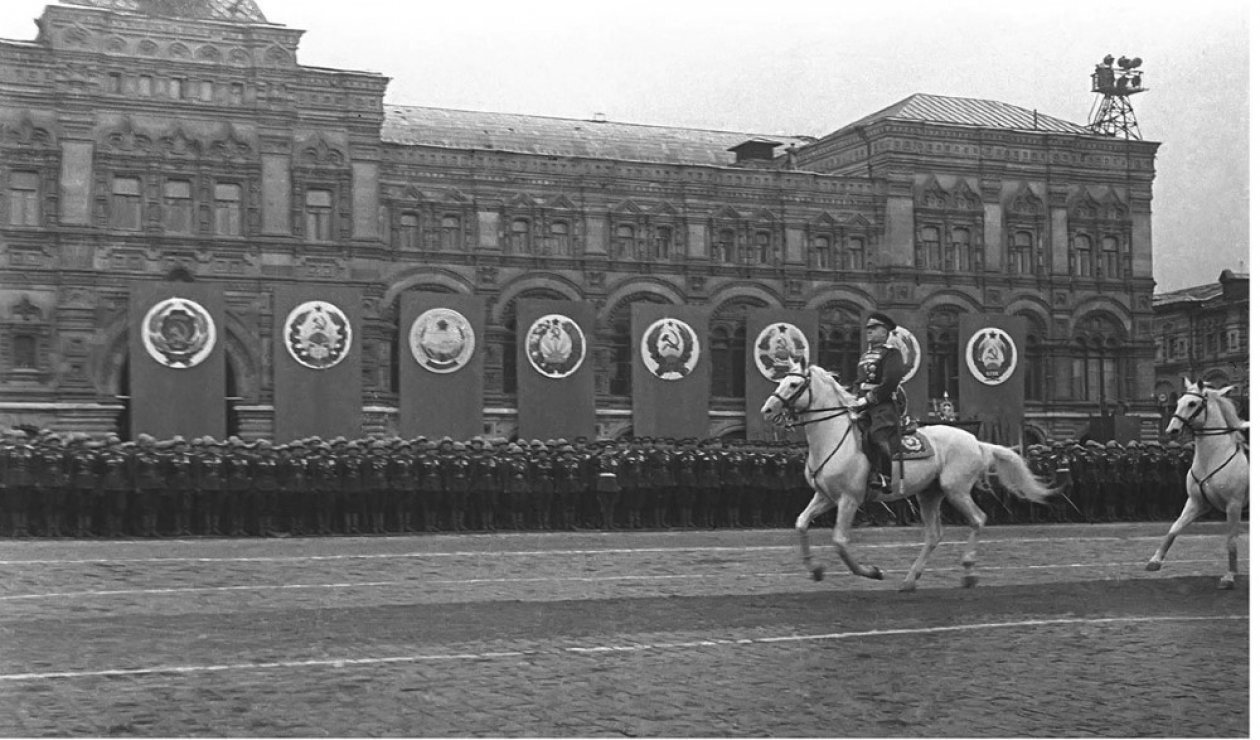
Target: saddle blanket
point(914, 446)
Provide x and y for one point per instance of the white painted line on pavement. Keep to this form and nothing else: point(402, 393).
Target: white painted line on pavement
point(791, 545)
point(637, 647)
point(545, 579)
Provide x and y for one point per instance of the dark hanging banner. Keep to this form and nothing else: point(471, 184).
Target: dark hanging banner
point(317, 363)
point(911, 336)
point(441, 346)
point(991, 375)
point(775, 337)
point(175, 351)
point(671, 370)
point(555, 379)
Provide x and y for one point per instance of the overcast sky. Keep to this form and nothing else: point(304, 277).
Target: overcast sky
point(811, 66)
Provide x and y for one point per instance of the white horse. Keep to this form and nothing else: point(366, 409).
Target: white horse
point(1219, 475)
point(837, 469)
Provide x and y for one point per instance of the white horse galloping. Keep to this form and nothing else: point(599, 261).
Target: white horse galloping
point(836, 469)
point(1218, 476)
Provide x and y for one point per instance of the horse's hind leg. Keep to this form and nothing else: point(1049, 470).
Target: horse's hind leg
point(930, 510)
point(961, 500)
point(1194, 508)
point(1233, 516)
point(818, 505)
point(845, 509)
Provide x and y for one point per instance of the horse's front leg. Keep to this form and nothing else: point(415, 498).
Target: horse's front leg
point(930, 510)
point(1233, 517)
point(818, 505)
point(846, 507)
point(1194, 508)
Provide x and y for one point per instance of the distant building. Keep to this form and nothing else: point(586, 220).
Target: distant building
point(145, 139)
point(1201, 334)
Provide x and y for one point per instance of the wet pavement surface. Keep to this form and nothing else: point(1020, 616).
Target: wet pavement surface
point(681, 633)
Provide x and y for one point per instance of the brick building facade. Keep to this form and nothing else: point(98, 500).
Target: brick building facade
point(141, 139)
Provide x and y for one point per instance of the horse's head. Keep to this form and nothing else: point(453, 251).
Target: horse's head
point(791, 397)
point(1192, 408)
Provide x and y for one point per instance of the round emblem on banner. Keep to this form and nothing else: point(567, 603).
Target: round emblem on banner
point(991, 356)
point(670, 349)
point(178, 333)
point(910, 352)
point(317, 335)
point(555, 345)
point(777, 346)
point(442, 340)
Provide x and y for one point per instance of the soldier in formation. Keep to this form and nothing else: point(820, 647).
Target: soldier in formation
point(74, 485)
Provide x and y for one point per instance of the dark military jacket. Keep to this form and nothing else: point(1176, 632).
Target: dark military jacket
point(179, 470)
point(210, 474)
point(50, 467)
point(113, 469)
point(149, 466)
point(880, 370)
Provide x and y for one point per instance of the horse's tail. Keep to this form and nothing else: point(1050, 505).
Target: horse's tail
point(1015, 475)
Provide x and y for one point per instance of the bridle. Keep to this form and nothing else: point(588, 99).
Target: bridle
point(1203, 431)
point(806, 389)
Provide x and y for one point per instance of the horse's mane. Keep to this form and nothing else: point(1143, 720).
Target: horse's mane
point(845, 396)
point(1228, 409)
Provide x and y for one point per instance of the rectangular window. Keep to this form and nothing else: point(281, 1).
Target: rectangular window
point(24, 352)
point(207, 91)
point(115, 83)
point(449, 238)
point(409, 231)
point(237, 92)
point(144, 85)
point(319, 215)
point(930, 245)
point(820, 254)
point(519, 240)
point(855, 255)
point(175, 88)
point(664, 242)
point(177, 206)
point(724, 249)
point(124, 212)
point(761, 250)
point(623, 244)
point(227, 209)
point(1080, 383)
point(24, 199)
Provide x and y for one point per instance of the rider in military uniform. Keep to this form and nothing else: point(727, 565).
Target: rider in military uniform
point(880, 370)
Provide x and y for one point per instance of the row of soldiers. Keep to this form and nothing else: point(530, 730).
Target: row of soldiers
point(73, 485)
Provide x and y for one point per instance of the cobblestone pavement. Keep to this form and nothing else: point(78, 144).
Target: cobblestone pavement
point(678, 633)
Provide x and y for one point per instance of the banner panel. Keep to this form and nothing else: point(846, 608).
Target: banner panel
point(669, 355)
point(555, 376)
point(991, 375)
point(440, 380)
point(912, 335)
point(316, 361)
point(775, 335)
point(178, 373)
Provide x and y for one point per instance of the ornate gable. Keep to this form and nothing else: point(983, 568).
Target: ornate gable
point(1026, 203)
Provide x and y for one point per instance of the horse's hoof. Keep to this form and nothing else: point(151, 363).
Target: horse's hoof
point(970, 580)
point(908, 586)
point(1154, 566)
point(876, 574)
point(1226, 584)
point(816, 573)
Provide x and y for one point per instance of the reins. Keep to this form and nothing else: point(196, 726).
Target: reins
point(1207, 431)
point(791, 412)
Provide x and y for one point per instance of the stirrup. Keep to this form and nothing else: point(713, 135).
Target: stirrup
point(879, 482)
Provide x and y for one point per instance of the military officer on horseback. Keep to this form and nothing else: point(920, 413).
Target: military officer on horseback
point(880, 370)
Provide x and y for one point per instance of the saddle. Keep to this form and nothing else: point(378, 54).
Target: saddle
point(913, 446)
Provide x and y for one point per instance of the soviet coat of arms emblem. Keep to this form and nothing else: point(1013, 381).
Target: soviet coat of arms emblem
point(670, 349)
point(555, 346)
point(991, 356)
point(777, 346)
point(911, 355)
point(317, 335)
point(442, 340)
point(178, 333)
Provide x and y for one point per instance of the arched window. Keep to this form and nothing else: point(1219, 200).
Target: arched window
point(855, 254)
point(820, 253)
point(1097, 368)
point(724, 246)
point(1111, 258)
point(664, 243)
point(958, 255)
point(623, 244)
point(409, 231)
point(1083, 256)
point(930, 247)
point(519, 238)
point(1019, 258)
point(761, 248)
point(450, 237)
point(942, 352)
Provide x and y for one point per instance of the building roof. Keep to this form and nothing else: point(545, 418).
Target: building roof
point(564, 137)
point(970, 112)
point(1199, 293)
point(237, 11)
